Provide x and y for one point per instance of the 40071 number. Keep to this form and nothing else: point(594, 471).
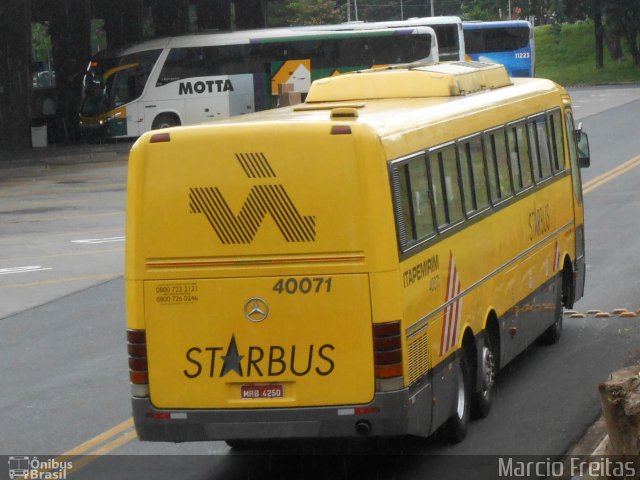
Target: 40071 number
point(303, 285)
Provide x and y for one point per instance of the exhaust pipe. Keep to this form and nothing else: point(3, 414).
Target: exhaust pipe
point(363, 428)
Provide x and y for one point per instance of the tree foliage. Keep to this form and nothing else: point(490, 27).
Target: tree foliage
point(615, 21)
point(40, 41)
point(304, 12)
point(622, 22)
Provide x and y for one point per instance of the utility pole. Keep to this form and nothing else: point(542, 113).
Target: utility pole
point(432, 11)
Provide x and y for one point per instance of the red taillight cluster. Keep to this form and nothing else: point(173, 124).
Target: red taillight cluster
point(137, 349)
point(387, 350)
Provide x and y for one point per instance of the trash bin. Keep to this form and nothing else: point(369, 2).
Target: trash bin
point(38, 133)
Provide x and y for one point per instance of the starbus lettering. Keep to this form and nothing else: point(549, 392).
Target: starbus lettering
point(539, 221)
point(261, 361)
point(420, 271)
point(206, 86)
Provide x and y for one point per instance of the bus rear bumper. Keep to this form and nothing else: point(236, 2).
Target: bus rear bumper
point(390, 414)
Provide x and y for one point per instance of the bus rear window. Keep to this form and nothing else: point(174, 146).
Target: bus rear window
point(501, 39)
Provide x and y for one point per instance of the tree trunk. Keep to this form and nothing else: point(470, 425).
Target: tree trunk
point(170, 17)
point(620, 399)
point(249, 14)
point(599, 31)
point(614, 45)
point(123, 21)
point(633, 46)
point(71, 46)
point(15, 74)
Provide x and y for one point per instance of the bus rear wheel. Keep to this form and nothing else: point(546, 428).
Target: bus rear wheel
point(488, 371)
point(552, 334)
point(165, 120)
point(455, 429)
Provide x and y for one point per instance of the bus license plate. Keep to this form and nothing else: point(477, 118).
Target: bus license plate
point(261, 391)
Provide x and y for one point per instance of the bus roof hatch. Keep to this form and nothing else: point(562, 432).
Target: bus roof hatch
point(410, 81)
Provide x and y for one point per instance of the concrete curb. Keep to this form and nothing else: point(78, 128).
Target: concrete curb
point(65, 154)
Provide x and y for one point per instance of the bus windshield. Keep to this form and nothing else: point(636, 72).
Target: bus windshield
point(111, 83)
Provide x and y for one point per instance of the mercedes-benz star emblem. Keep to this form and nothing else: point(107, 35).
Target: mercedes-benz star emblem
point(256, 309)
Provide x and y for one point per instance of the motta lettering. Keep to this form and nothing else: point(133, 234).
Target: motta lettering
point(261, 361)
point(205, 86)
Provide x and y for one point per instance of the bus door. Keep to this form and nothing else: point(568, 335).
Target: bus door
point(124, 85)
point(578, 205)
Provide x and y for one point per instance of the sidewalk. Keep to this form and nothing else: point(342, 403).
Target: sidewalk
point(65, 154)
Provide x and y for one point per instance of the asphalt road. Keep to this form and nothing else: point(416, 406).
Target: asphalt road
point(64, 375)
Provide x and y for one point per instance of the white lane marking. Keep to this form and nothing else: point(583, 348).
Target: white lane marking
point(99, 240)
point(29, 269)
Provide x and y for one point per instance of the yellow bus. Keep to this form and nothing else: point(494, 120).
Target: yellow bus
point(359, 264)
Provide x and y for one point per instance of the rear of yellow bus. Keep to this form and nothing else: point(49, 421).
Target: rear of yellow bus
point(262, 283)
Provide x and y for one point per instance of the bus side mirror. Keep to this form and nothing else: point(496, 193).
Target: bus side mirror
point(584, 157)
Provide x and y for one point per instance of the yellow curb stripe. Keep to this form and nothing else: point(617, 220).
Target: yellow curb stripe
point(118, 442)
point(611, 174)
point(63, 255)
point(86, 447)
point(106, 276)
point(89, 444)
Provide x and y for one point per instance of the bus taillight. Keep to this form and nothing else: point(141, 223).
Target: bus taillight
point(387, 356)
point(138, 369)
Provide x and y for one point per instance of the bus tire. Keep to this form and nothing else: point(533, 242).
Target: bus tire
point(165, 120)
point(455, 428)
point(487, 371)
point(552, 334)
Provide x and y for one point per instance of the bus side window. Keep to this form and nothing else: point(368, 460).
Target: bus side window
point(519, 153)
point(502, 161)
point(452, 184)
point(415, 203)
point(466, 170)
point(525, 155)
point(533, 148)
point(422, 213)
point(492, 169)
point(543, 147)
point(181, 63)
point(406, 206)
point(479, 173)
point(555, 133)
point(437, 180)
point(514, 155)
point(474, 180)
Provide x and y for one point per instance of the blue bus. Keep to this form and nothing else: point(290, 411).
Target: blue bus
point(509, 42)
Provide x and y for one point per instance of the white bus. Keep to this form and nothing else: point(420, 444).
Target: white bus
point(449, 32)
point(196, 78)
